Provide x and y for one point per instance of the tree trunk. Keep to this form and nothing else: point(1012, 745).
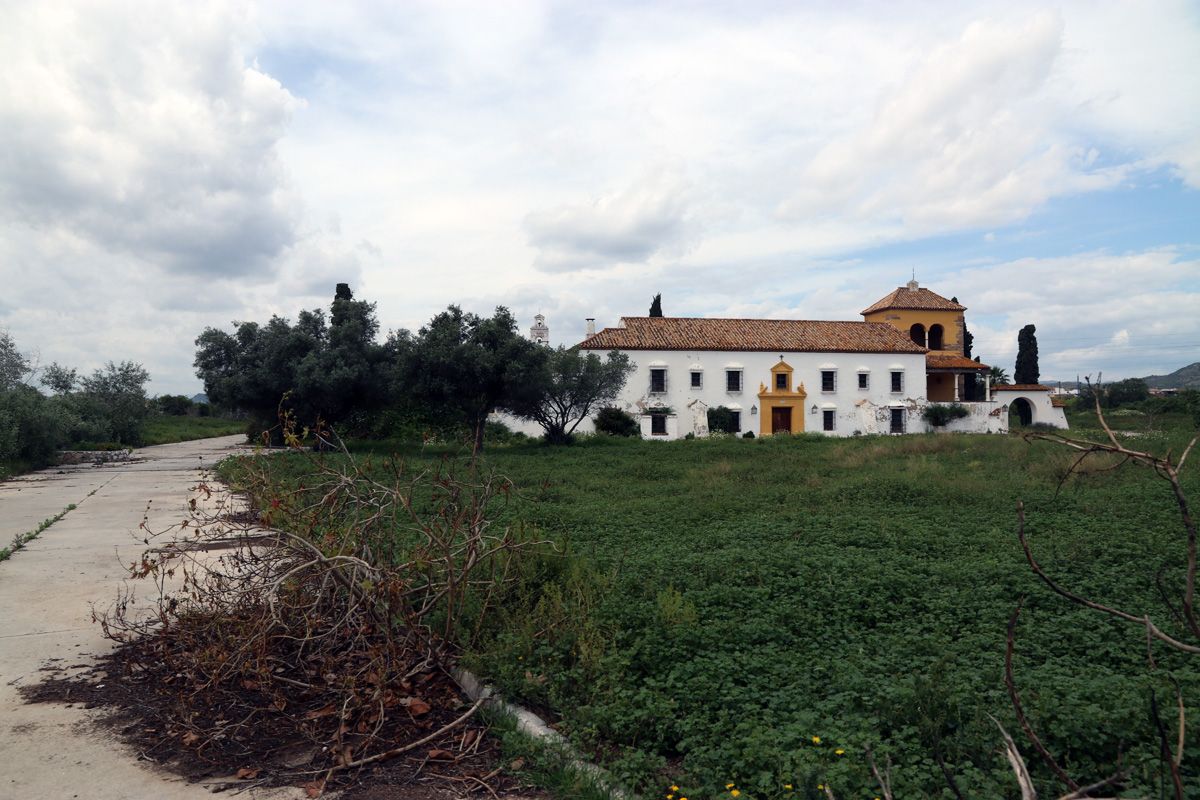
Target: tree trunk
point(478, 445)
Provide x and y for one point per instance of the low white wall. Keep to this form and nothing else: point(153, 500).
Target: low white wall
point(1044, 411)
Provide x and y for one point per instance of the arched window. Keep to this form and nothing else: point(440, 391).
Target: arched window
point(935, 337)
point(917, 332)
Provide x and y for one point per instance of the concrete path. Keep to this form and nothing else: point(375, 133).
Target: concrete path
point(46, 593)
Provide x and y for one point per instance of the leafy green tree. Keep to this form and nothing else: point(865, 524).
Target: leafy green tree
point(1026, 370)
point(59, 379)
point(656, 306)
point(14, 366)
point(119, 390)
point(316, 369)
point(560, 390)
point(254, 369)
point(175, 405)
point(1130, 390)
point(463, 367)
point(343, 377)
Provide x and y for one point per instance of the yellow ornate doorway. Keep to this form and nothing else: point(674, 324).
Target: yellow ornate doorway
point(781, 406)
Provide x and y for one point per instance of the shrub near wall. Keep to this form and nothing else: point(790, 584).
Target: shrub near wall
point(940, 416)
point(616, 422)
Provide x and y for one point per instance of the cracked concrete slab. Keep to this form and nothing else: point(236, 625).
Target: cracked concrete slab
point(47, 590)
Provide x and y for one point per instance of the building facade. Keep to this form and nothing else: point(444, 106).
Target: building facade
point(836, 378)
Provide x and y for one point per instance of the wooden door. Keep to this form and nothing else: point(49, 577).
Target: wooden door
point(781, 420)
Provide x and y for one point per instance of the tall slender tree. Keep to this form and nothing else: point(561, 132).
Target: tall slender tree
point(656, 306)
point(1026, 370)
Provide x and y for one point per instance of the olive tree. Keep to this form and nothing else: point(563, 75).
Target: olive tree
point(562, 389)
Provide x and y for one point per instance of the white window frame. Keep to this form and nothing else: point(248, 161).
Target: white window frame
point(834, 373)
point(896, 372)
point(864, 380)
point(663, 370)
point(697, 379)
point(739, 371)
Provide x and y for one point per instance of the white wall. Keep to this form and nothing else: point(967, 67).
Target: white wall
point(1040, 403)
point(858, 410)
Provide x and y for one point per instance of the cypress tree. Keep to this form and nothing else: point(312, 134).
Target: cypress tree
point(656, 306)
point(1026, 370)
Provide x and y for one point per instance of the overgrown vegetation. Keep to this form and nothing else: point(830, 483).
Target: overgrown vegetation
point(759, 613)
point(334, 636)
point(941, 415)
point(21, 539)
point(107, 406)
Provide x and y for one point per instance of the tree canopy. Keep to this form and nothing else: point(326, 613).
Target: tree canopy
point(656, 306)
point(318, 370)
point(463, 367)
point(562, 389)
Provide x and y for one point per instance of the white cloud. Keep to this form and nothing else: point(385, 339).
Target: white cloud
point(160, 144)
point(571, 159)
point(626, 226)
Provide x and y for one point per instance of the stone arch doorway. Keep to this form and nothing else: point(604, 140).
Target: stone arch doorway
point(1020, 411)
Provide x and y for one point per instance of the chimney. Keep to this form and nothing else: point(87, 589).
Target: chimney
point(591, 326)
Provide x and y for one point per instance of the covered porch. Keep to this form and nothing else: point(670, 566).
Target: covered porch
point(945, 376)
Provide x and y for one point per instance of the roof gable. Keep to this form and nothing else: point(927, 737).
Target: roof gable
point(782, 335)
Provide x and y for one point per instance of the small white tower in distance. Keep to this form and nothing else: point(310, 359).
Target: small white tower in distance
point(540, 332)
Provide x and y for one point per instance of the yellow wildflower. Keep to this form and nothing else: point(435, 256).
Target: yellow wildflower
point(729, 785)
point(674, 788)
point(816, 740)
point(840, 752)
point(787, 786)
point(734, 792)
point(820, 786)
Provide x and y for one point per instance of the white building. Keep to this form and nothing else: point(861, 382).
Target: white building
point(794, 376)
point(776, 376)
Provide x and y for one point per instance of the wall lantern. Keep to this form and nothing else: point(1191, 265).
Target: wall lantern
point(815, 409)
point(753, 410)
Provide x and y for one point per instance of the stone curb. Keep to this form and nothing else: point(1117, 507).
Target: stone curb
point(536, 728)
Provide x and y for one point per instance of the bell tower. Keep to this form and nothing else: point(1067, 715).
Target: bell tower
point(539, 332)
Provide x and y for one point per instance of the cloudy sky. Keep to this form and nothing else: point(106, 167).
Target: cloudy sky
point(166, 167)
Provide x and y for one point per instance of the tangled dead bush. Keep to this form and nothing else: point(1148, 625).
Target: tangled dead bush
point(331, 634)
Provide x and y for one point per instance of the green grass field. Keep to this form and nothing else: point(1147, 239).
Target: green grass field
point(759, 612)
point(165, 429)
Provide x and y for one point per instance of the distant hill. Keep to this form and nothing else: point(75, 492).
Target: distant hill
point(200, 398)
point(1183, 378)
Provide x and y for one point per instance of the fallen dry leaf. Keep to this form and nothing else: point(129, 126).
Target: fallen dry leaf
point(417, 707)
point(247, 774)
point(440, 755)
point(320, 712)
point(517, 764)
point(313, 789)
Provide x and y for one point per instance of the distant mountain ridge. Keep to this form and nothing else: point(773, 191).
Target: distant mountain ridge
point(1183, 378)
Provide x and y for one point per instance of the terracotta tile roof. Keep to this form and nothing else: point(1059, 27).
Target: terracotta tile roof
point(784, 335)
point(1020, 387)
point(914, 299)
point(952, 361)
point(1058, 401)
